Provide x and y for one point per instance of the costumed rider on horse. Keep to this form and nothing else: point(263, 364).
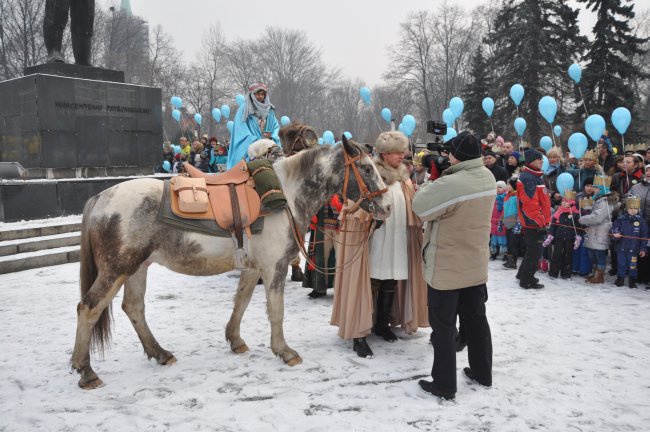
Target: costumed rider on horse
point(255, 120)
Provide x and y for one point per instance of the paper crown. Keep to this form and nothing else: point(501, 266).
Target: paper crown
point(417, 158)
point(602, 181)
point(570, 195)
point(586, 202)
point(591, 155)
point(633, 202)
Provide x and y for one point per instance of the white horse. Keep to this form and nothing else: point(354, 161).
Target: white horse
point(121, 236)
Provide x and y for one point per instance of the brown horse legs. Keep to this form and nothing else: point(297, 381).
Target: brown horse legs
point(247, 281)
point(133, 305)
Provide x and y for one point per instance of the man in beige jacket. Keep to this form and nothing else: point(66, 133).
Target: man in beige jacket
point(458, 207)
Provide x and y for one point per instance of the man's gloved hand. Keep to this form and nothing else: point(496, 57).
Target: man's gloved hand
point(547, 242)
point(576, 243)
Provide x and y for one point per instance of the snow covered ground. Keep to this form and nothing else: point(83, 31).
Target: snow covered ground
point(570, 357)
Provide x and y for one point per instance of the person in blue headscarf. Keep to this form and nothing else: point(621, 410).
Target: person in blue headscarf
point(255, 119)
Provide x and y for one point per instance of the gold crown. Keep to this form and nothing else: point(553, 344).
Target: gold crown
point(591, 155)
point(633, 202)
point(417, 158)
point(586, 202)
point(602, 181)
point(570, 195)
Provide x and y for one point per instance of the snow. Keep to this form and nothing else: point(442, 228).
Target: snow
point(40, 238)
point(41, 252)
point(39, 223)
point(570, 357)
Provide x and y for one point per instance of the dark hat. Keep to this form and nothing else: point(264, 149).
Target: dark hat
point(515, 154)
point(465, 146)
point(490, 153)
point(512, 181)
point(531, 155)
point(588, 181)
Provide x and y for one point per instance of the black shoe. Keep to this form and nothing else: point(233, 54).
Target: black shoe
point(565, 277)
point(469, 374)
point(552, 276)
point(510, 265)
point(361, 347)
point(260, 281)
point(316, 294)
point(506, 257)
point(460, 344)
point(619, 282)
point(531, 285)
point(430, 387)
point(493, 256)
point(612, 272)
point(385, 332)
point(632, 283)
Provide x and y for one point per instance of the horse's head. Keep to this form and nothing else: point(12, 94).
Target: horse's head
point(362, 183)
point(297, 136)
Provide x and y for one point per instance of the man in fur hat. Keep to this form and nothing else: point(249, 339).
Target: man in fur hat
point(394, 260)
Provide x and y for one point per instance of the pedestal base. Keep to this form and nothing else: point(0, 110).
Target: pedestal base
point(76, 71)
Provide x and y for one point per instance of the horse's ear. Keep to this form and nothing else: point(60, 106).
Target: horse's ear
point(350, 148)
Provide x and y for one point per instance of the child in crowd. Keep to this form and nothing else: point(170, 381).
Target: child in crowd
point(630, 233)
point(563, 233)
point(599, 223)
point(581, 261)
point(513, 226)
point(498, 231)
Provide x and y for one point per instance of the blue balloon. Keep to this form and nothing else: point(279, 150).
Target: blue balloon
point(488, 106)
point(320, 141)
point(225, 111)
point(546, 143)
point(198, 118)
point(409, 124)
point(456, 106)
point(517, 93)
point(167, 166)
point(216, 114)
point(328, 137)
point(548, 108)
point(386, 115)
point(365, 95)
point(544, 163)
point(448, 117)
point(621, 119)
point(284, 120)
point(520, 126)
point(595, 126)
point(451, 133)
point(240, 99)
point(575, 72)
point(400, 128)
point(176, 102)
point(557, 130)
point(564, 182)
point(177, 149)
point(348, 135)
point(229, 125)
point(578, 144)
point(177, 115)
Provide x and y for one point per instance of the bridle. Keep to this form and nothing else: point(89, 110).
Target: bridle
point(300, 139)
point(365, 194)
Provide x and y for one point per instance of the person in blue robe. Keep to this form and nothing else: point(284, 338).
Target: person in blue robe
point(255, 119)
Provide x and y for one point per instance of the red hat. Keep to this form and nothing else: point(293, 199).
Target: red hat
point(177, 156)
point(254, 88)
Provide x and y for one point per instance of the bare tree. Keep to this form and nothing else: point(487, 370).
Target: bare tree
point(22, 35)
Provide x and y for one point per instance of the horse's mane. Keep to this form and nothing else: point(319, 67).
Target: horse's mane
point(306, 160)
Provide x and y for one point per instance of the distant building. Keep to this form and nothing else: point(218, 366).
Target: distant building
point(128, 43)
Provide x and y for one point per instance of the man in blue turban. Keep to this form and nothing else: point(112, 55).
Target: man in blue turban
point(255, 119)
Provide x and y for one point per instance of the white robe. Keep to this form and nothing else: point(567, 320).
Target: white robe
point(389, 244)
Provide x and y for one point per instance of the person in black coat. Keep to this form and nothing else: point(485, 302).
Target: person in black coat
point(564, 234)
point(490, 161)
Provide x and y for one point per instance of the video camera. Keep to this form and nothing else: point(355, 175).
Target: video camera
point(440, 160)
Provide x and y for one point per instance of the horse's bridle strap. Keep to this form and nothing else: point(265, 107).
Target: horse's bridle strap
point(363, 188)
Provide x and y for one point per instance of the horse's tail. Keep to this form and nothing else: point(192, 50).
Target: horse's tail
point(88, 274)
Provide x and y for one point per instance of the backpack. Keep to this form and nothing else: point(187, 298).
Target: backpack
point(510, 212)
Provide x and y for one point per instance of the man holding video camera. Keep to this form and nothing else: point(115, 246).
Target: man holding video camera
point(458, 207)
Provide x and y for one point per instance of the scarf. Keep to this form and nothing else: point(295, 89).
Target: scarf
point(499, 201)
point(561, 210)
point(534, 171)
point(552, 168)
point(256, 108)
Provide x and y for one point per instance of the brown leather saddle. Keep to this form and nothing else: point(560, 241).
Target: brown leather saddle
point(234, 203)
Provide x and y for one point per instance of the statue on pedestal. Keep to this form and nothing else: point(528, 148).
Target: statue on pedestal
point(82, 18)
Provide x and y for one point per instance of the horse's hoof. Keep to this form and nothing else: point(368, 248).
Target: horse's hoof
point(92, 384)
point(240, 349)
point(170, 361)
point(294, 361)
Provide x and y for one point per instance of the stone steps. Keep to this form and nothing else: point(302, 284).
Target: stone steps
point(35, 247)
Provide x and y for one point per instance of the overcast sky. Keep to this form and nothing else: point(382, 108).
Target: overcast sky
point(353, 34)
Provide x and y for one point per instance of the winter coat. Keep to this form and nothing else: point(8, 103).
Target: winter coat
point(499, 173)
point(550, 177)
point(622, 182)
point(599, 222)
point(564, 224)
point(582, 174)
point(634, 229)
point(642, 190)
point(510, 211)
point(458, 207)
point(534, 203)
point(497, 217)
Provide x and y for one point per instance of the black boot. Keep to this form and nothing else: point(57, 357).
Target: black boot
point(619, 282)
point(511, 263)
point(632, 282)
point(493, 256)
point(382, 316)
point(361, 347)
point(297, 274)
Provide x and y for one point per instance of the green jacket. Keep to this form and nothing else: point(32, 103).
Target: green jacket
point(458, 207)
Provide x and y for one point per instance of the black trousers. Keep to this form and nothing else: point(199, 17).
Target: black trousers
point(533, 239)
point(515, 244)
point(443, 307)
point(562, 258)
